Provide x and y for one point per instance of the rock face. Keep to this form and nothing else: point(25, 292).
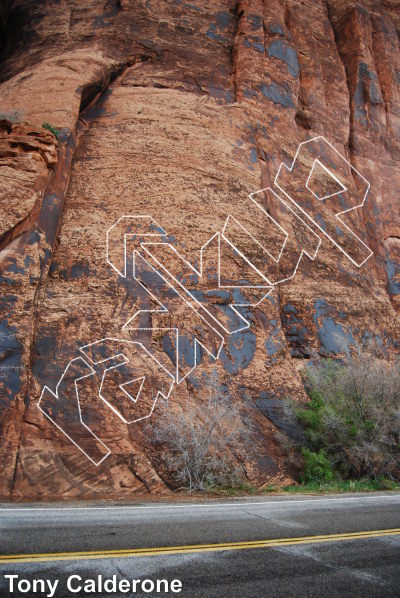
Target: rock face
point(177, 111)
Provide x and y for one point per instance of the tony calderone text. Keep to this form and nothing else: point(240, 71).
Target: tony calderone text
point(75, 583)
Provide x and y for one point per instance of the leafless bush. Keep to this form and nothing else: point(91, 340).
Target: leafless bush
point(354, 414)
point(13, 116)
point(202, 443)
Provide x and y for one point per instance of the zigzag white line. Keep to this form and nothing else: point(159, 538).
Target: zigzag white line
point(55, 394)
point(146, 245)
point(290, 169)
point(82, 349)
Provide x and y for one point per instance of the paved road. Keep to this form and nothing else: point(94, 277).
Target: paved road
point(269, 547)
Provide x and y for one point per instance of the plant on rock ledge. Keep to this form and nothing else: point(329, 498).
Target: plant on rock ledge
point(56, 132)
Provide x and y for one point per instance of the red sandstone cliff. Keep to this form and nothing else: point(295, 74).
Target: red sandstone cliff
point(180, 110)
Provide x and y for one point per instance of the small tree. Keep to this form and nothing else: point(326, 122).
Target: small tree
point(203, 442)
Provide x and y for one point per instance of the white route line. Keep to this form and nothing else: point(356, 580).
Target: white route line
point(342, 190)
point(91, 373)
point(55, 394)
point(113, 357)
point(140, 217)
point(276, 260)
point(177, 377)
point(338, 214)
point(200, 273)
point(163, 309)
point(160, 233)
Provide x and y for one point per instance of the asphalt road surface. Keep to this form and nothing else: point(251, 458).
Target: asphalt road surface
point(259, 547)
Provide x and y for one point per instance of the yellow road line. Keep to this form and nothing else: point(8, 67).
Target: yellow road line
point(137, 552)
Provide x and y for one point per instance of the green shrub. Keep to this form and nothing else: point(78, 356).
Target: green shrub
point(317, 467)
point(352, 420)
point(49, 127)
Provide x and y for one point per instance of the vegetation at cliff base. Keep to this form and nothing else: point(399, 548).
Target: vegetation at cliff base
point(348, 440)
point(351, 425)
point(338, 485)
point(203, 445)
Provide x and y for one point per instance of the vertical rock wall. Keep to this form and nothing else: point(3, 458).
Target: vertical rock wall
point(179, 111)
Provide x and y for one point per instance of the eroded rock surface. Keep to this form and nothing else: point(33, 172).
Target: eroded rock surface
point(178, 111)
